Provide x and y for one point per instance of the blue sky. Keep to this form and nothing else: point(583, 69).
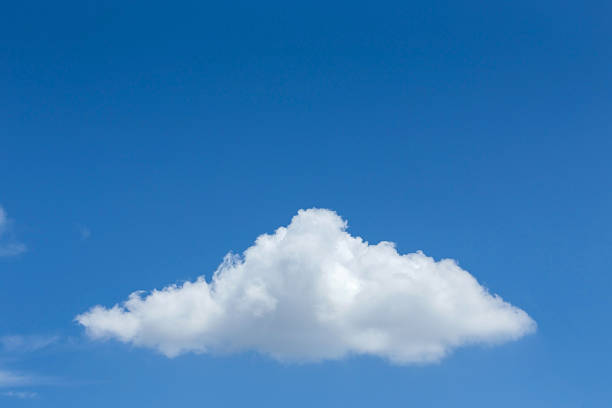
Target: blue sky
point(142, 142)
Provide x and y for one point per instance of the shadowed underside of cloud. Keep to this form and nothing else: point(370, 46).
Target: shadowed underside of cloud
point(311, 291)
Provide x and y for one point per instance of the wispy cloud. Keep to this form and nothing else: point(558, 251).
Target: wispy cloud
point(16, 347)
point(19, 394)
point(12, 379)
point(19, 343)
point(12, 249)
point(9, 246)
point(84, 232)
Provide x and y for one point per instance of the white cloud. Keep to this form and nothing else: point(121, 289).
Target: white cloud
point(310, 292)
point(8, 246)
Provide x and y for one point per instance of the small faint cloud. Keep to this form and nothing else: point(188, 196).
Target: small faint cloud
point(12, 249)
point(8, 245)
point(19, 394)
point(84, 232)
point(18, 345)
point(11, 379)
point(24, 344)
point(19, 379)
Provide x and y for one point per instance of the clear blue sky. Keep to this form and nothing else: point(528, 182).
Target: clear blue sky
point(141, 142)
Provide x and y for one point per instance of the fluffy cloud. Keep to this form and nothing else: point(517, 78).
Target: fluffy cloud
point(311, 291)
point(8, 246)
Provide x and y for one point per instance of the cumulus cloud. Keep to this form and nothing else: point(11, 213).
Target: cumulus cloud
point(311, 291)
point(8, 246)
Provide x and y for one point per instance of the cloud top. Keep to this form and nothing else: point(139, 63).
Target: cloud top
point(311, 291)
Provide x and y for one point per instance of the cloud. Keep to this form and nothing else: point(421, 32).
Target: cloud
point(11, 379)
point(84, 232)
point(311, 291)
point(20, 394)
point(18, 343)
point(8, 246)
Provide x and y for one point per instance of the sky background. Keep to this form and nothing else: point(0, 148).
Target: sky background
point(141, 142)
